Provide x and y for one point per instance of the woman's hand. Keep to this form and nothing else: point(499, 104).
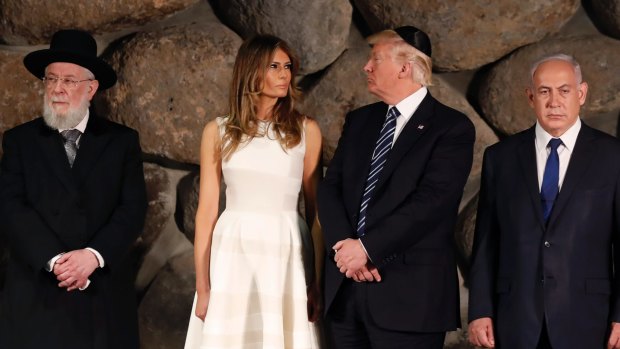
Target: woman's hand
point(202, 303)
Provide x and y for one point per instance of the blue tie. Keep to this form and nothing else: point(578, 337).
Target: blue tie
point(379, 157)
point(551, 178)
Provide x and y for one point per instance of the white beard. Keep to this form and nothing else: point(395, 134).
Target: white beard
point(64, 121)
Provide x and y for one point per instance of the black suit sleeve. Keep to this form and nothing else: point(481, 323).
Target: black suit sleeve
point(484, 254)
point(115, 238)
point(332, 211)
point(434, 199)
point(28, 236)
point(615, 311)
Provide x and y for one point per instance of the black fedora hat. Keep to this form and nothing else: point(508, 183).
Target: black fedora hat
point(72, 46)
point(416, 38)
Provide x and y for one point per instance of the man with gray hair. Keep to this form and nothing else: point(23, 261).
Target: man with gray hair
point(546, 257)
point(72, 203)
point(388, 206)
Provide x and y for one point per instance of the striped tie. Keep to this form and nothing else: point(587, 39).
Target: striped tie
point(379, 157)
point(71, 147)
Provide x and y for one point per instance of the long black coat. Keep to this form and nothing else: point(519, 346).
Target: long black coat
point(523, 270)
point(47, 207)
point(411, 216)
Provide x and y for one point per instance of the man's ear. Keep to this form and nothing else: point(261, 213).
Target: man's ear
point(92, 89)
point(582, 92)
point(405, 70)
point(530, 96)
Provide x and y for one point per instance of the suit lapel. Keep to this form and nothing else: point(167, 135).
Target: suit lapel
point(579, 162)
point(527, 159)
point(419, 123)
point(93, 142)
point(51, 144)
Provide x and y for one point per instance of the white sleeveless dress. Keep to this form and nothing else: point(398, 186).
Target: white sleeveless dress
point(258, 283)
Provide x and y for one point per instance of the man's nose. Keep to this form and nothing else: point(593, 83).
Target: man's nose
point(367, 68)
point(553, 99)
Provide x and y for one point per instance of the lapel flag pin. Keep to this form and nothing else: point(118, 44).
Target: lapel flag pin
point(420, 127)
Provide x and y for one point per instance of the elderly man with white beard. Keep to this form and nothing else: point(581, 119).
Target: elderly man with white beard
point(72, 202)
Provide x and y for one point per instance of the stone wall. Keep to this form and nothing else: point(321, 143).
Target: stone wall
point(174, 60)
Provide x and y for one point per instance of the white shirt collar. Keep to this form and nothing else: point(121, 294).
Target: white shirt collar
point(410, 104)
point(82, 125)
point(569, 138)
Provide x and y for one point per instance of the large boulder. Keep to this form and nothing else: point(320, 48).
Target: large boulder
point(187, 203)
point(33, 22)
point(502, 95)
point(321, 27)
point(21, 94)
point(469, 34)
point(606, 14)
point(165, 308)
point(341, 89)
point(171, 83)
point(158, 198)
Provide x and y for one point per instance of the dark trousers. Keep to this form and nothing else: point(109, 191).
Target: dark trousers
point(349, 324)
point(543, 341)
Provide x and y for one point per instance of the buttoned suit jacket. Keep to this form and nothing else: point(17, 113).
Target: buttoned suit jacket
point(47, 207)
point(410, 218)
point(523, 270)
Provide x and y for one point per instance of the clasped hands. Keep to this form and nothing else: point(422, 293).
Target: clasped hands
point(353, 262)
point(74, 268)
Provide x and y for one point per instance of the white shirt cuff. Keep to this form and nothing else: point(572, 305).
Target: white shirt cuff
point(366, 252)
point(85, 286)
point(49, 267)
point(99, 258)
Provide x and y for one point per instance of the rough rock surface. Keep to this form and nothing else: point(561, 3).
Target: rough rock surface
point(33, 22)
point(607, 15)
point(502, 95)
point(187, 203)
point(171, 83)
point(157, 214)
point(165, 309)
point(321, 27)
point(469, 34)
point(21, 94)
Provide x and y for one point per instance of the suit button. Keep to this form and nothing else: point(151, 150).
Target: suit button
point(547, 244)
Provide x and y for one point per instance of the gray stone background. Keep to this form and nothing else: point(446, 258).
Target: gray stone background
point(174, 60)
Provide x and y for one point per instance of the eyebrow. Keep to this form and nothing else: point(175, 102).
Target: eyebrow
point(550, 88)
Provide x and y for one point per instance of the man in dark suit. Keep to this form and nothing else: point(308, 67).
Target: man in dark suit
point(72, 202)
point(388, 206)
point(545, 250)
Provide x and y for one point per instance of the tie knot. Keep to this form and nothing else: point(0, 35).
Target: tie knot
point(554, 143)
point(71, 135)
point(393, 113)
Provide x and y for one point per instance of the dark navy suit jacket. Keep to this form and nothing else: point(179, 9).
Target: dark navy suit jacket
point(411, 216)
point(525, 270)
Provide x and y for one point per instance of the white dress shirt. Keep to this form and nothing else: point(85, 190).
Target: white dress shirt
point(569, 138)
point(407, 107)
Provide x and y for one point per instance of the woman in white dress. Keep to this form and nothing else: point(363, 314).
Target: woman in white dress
point(254, 285)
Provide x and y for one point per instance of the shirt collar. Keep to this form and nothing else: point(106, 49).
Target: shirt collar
point(569, 138)
point(410, 104)
point(82, 125)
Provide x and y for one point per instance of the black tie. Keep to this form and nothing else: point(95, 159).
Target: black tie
point(71, 147)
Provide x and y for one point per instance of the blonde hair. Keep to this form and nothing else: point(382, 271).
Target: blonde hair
point(422, 64)
point(241, 125)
